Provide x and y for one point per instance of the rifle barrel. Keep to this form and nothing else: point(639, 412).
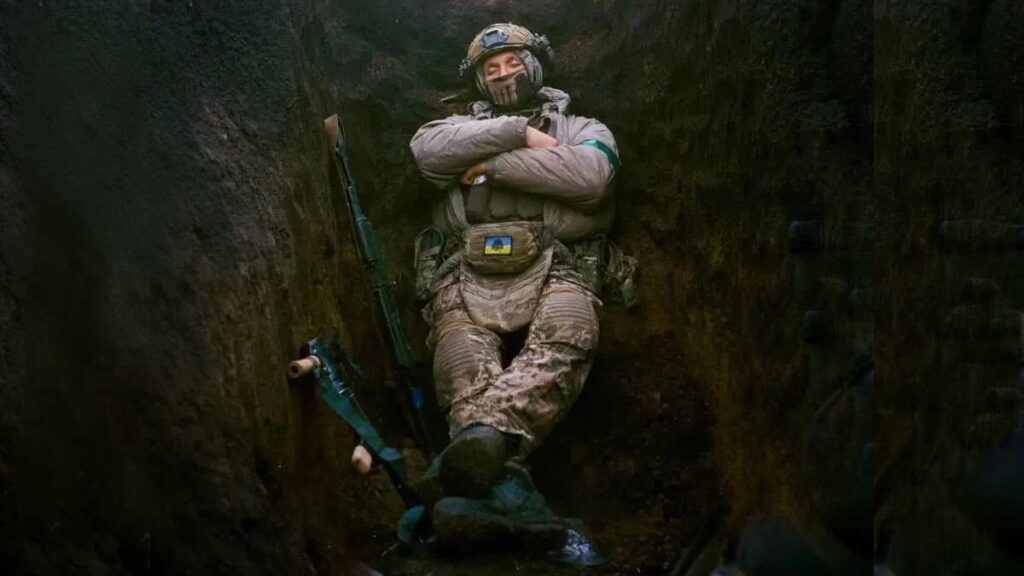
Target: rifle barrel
point(412, 397)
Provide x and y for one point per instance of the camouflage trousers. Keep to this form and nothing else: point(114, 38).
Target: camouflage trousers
point(535, 391)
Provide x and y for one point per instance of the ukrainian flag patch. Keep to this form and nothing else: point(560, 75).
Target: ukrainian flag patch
point(495, 245)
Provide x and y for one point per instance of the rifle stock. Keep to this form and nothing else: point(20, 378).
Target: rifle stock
point(336, 392)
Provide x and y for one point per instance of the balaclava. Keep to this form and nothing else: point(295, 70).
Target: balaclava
point(517, 89)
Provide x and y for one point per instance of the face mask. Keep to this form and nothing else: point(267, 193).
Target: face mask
point(517, 90)
point(511, 91)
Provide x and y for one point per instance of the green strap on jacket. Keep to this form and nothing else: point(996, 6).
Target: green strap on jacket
point(613, 158)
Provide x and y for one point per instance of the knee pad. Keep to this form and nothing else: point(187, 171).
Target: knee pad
point(464, 360)
point(566, 316)
point(458, 354)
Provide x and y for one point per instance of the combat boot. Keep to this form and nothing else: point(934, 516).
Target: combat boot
point(472, 462)
point(428, 486)
point(514, 515)
point(466, 524)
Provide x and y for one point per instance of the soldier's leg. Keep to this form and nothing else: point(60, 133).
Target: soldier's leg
point(543, 381)
point(467, 358)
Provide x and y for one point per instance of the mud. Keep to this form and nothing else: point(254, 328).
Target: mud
point(171, 233)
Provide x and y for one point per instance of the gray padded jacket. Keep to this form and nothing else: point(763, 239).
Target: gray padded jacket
point(568, 186)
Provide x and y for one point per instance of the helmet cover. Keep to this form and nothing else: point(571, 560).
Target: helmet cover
point(532, 49)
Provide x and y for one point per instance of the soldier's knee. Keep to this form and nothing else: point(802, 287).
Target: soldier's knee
point(454, 325)
point(568, 317)
point(464, 360)
point(463, 347)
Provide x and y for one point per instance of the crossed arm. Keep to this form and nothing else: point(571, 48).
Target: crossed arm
point(520, 157)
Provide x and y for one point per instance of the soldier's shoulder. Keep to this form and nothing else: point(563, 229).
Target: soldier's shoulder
point(581, 118)
point(582, 122)
point(447, 120)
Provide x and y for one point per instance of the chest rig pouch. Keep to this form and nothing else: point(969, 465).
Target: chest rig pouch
point(503, 270)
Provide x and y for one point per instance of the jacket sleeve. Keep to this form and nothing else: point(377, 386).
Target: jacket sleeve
point(444, 149)
point(577, 173)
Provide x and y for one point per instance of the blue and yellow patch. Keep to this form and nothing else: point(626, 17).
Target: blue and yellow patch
point(495, 245)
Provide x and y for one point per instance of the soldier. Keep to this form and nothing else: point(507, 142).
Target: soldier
point(524, 199)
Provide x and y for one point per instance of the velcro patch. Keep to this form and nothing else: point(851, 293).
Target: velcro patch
point(496, 245)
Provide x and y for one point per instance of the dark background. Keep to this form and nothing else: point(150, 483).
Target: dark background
point(170, 234)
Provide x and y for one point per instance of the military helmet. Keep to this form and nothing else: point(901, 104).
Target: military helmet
point(504, 36)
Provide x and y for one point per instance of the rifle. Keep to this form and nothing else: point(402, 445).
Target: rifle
point(342, 400)
point(411, 397)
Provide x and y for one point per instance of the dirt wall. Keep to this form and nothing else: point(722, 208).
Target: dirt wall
point(948, 95)
point(168, 242)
